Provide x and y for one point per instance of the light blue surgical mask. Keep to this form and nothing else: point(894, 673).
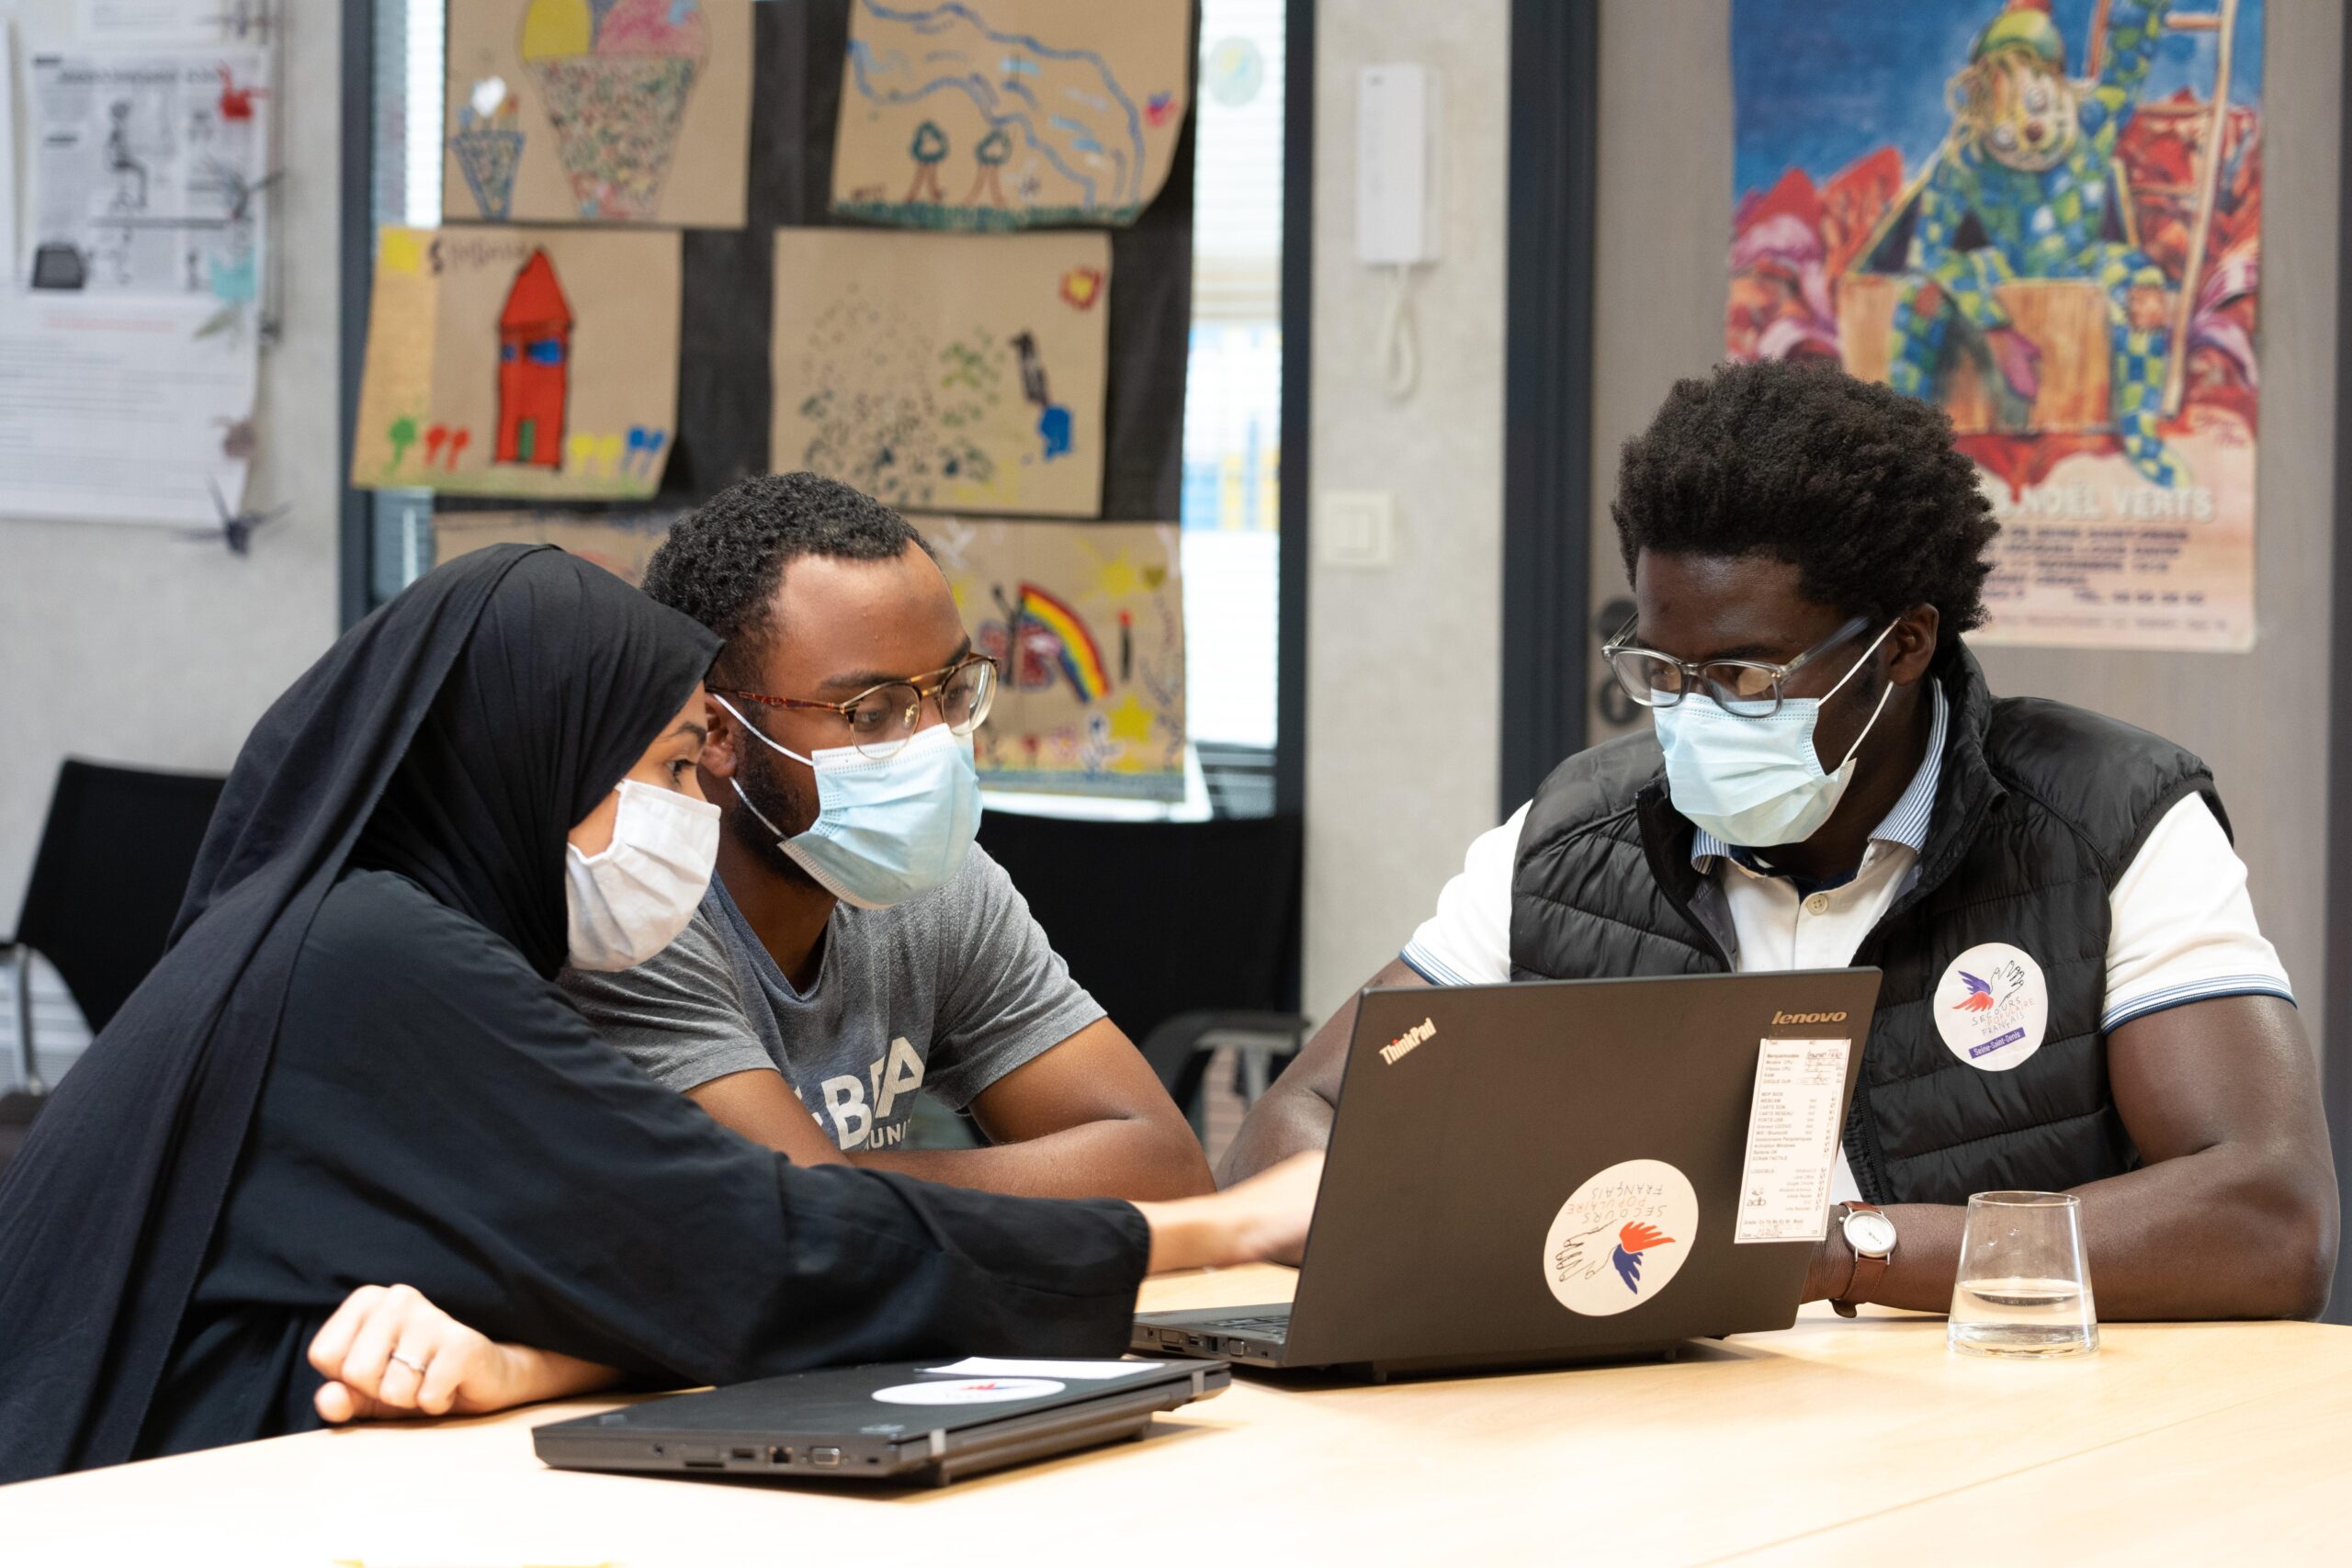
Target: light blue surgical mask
point(888, 828)
point(1756, 783)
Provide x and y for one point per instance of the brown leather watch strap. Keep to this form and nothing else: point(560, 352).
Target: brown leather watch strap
point(1863, 1283)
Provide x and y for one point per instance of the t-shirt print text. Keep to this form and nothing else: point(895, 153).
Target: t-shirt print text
point(871, 1112)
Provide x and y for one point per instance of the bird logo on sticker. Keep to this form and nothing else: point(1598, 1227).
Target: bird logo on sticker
point(1979, 998)
point(1633, 1238)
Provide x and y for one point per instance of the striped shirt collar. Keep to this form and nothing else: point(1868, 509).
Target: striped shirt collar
point(1905, 825)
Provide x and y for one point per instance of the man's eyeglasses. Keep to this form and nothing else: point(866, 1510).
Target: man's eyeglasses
point(882, 719)
point(1748, 687)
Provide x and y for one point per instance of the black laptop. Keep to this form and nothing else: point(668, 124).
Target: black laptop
point(1556, 1171)
point(906, 1422)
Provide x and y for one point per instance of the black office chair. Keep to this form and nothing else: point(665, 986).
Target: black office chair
point(1182, 930)
point(114, 861)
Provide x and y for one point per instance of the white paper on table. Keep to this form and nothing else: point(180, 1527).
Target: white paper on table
point(1793, 1134)
point(149, 168)
point(114, 410)
point(1073, 1371)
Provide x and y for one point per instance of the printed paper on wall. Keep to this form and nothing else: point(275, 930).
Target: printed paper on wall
point(520, 362)
point(2047, 220)
point(1001, 113)
point(944, 372)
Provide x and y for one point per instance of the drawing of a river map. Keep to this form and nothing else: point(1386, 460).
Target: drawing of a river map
point(999, 115)
point(944, 372)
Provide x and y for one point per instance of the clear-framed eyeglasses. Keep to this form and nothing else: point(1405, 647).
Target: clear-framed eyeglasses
point(883, 718)
point(1750, 688)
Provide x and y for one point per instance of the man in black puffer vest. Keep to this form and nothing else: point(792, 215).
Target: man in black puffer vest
point(2075, 993)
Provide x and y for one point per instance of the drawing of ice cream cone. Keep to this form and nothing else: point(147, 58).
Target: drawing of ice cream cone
point(488, 145)
point(615, 77)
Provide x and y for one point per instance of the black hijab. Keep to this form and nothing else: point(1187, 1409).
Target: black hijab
point(454, 736)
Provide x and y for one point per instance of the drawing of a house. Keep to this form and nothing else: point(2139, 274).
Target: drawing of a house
point(533, 367)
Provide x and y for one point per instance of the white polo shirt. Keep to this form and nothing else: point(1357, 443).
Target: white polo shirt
point(2181, 927)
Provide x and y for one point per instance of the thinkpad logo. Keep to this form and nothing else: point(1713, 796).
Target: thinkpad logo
point(1404, 1045)
point(1781, 1018)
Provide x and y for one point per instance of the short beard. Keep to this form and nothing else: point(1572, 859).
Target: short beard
point(778, 800)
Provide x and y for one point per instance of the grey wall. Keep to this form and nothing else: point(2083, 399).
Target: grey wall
point(1402, 729)
point(132, 645)
point(2259, 717)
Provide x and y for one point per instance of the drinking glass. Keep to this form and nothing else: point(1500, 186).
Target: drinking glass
point(2024, 1286)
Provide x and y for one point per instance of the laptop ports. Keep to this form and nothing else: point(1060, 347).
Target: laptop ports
point(779, 1456)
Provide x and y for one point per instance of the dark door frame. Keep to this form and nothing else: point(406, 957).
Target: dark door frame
point(1547, 388)
point(2336, 1023)
point(356, 264)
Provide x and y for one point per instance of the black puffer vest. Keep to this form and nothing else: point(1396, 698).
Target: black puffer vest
point(2039, 809)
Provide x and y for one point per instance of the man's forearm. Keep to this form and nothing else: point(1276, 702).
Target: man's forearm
point(1117, 1159)
point(2218, 1234)
point(1288, 1120)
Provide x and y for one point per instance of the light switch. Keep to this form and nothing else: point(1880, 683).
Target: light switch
point(1357, 528)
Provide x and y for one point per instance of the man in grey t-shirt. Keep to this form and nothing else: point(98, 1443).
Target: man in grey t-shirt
point(944, 994)
point(856, 950)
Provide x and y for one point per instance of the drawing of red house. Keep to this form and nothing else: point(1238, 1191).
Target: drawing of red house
point(533, 367)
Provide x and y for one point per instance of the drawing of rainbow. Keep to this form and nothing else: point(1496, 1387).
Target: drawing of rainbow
point(1082, 661)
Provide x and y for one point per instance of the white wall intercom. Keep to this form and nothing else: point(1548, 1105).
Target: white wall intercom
point(1396, 194)
point(1397, 200)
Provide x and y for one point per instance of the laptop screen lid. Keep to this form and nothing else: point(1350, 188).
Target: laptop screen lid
point(1482, 1128)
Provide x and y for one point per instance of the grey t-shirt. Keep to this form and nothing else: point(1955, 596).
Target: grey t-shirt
point(947, 993)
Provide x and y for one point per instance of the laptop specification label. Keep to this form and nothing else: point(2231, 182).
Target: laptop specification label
point(1792, 1130)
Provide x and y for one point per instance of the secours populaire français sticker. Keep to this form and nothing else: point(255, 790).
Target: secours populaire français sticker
point(968, 1391)
point(1993, 1007)
point(1620, 1238)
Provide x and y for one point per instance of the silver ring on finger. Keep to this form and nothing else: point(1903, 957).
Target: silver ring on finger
point(404, 1362)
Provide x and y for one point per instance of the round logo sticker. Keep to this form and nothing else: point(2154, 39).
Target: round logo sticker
point(1621, 1238)
point(968, 1391)
point(1993, 1007)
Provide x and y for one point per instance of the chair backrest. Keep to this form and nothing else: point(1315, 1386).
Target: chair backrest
point(114, 862)
point(1157, 919)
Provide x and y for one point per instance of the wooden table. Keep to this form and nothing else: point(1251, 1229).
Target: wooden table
point(1836, 1442)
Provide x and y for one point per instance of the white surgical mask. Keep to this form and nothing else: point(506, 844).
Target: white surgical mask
point(631, 901)
point(888, 828)
point(1755, 783)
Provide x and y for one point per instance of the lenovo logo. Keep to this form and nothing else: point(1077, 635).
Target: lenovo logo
point(1781, 1018)
point(1404, 1045)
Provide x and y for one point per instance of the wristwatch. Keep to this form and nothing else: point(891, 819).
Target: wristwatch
point(1870, 1236)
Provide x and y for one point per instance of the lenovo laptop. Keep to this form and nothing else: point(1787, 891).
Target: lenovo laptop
point(1561, 1170)
point(903, 1422)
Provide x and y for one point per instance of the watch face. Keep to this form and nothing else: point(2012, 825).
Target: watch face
point(1870, 1234)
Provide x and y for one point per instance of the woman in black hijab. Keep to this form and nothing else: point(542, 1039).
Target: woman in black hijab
point(352, 1067)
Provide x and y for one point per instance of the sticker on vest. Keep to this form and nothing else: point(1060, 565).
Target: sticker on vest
point(968, 1391)
point(1993, 1007)
point(1621, 1238)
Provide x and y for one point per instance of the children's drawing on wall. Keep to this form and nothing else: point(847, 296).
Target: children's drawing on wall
point(611, 111)
point(944, 372)
point(520, 362)
point(1086, 623)
point(2045, 217)
point(152, 171)
point(620, 542)
point(1004, 114)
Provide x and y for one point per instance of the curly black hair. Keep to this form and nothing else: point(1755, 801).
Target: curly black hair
point(723, 565)
point(1854, 485)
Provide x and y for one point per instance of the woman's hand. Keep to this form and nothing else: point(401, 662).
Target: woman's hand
point(388, 1352)
point(1262, 1220)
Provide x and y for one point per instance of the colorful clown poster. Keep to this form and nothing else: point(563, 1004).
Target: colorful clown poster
point(2045, 217)
point(1086, 624)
